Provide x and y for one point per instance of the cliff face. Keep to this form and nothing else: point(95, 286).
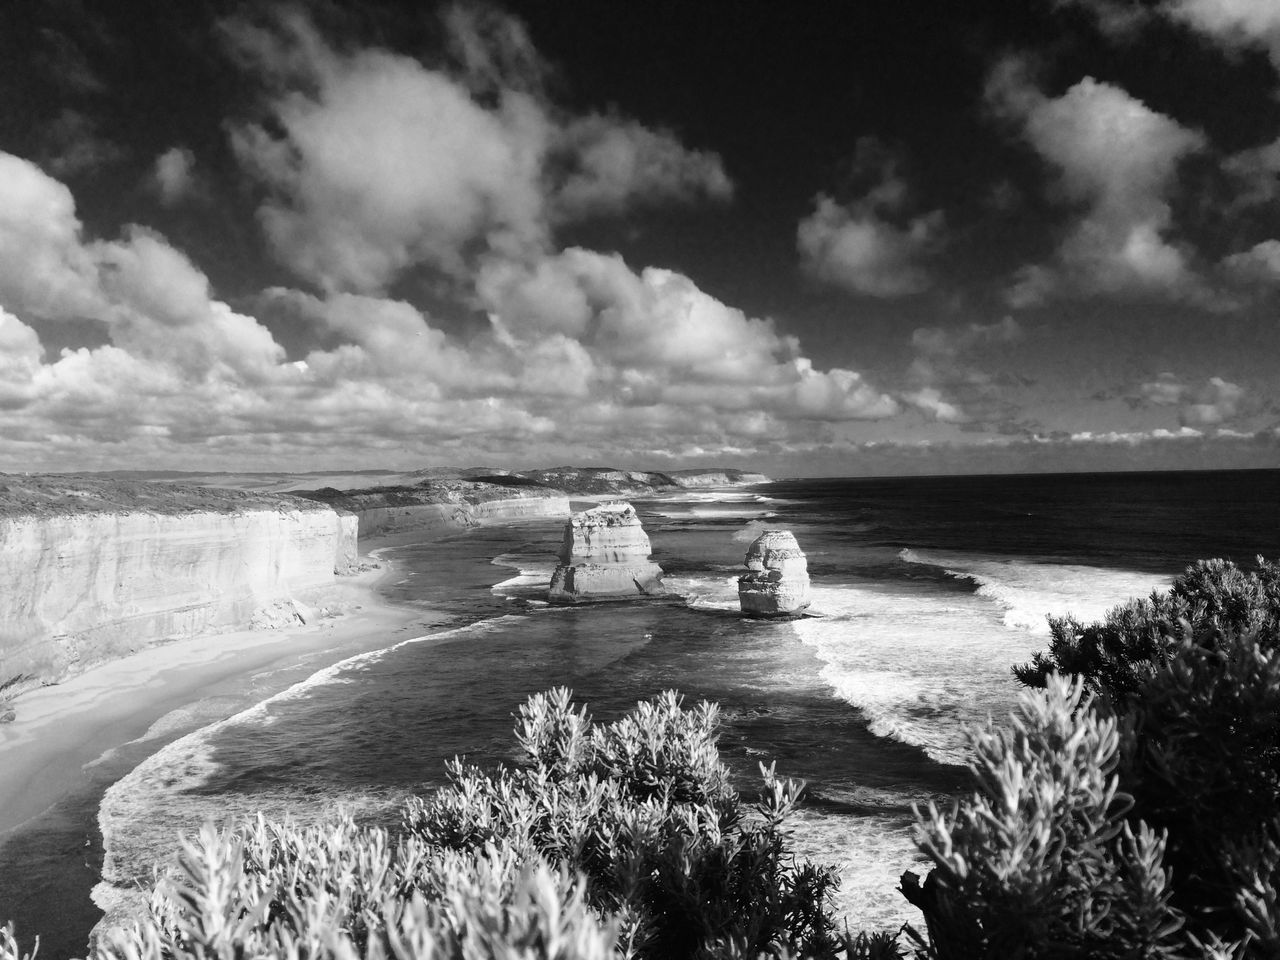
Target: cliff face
point(83, 587)
point(379, 514)
point(605, 556)
point(777, 579)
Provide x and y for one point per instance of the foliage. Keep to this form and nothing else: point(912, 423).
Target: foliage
point(644, 809)
point(608, 841)
point(1212, 599)
point(1040, 861)
point(1131, 809)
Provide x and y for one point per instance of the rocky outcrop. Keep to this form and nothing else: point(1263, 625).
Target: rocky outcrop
point(605, 556)
point(84, 582)
point(776, 583)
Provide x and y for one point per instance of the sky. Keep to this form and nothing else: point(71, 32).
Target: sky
point(879, 238)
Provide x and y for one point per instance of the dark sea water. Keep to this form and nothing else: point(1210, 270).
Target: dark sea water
point(926, 592)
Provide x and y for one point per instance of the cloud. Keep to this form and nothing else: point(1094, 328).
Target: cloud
point(1117, 159)
point(74, 145)
point(1117, 19)
point(151, 300)
point(45, 270)
point(614, 164)
point(582, 355)
point(868, 246)
point(1234, 24)
point(375, 163)
point(948, 383)
point(173, 176)
point(655, 338)
point(1215, 402)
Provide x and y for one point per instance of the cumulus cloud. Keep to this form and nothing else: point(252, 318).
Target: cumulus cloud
point(948, 382)
point(581, 352)
point(173, 176)
point(1216, 401)
point(1117, 158)
point(1234, 24)
point(612, 164)
point(1259, 264)
point(655, 338)
point(73, 144)
point(870, 245)
point(375, 163)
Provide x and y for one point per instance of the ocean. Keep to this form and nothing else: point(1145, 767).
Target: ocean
point(925, 592)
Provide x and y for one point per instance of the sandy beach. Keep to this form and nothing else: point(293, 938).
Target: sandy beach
point(61, 732)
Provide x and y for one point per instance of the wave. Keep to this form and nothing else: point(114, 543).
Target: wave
point(1030, 591)
point(533, 575)
point(921, 665)
point(706, 592)
point(142, 814)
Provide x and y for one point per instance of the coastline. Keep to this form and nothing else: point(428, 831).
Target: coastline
point(157, 694)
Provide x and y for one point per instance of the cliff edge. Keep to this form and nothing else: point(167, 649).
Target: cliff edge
point(95, 568)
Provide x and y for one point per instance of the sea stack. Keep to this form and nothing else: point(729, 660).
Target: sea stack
point(605, 556)
point(776, 583)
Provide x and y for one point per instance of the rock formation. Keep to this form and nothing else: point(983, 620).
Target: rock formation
point(96, 571)
point(776, 583)
point(605, 556)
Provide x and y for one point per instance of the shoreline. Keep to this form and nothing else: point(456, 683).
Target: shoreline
point(62, 731)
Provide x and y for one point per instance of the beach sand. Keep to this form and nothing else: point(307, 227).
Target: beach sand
point(70, 741)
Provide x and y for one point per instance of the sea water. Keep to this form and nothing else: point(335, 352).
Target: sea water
point(925, 593)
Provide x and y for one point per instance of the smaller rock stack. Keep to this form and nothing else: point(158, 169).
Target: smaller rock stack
point(776, 583)
point(605, 556)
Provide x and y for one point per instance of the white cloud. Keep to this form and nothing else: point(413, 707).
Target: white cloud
point(929, 400)
point(615, 164)
point(655, 338)
point(173, 176)
point(1215, 402)
point(582, 353)
point(1118, 158)
point(1232, 23)
point(376, 163)
point(869, 246)
point(949, 385)
point(1260, 263)
point(45, 271)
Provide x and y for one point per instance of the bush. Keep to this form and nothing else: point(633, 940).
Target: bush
point(1212, 599)
point(1133, 810)
point(644, 810)
point(610, 841)
point(1040, 861)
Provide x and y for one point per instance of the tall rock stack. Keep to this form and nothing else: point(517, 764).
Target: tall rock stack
point(776, 583)
point(605, 556)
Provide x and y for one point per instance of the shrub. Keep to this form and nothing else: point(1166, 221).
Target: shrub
point(622, 839)
point(1210, 600)
point(1133, 810)
point(1040, 861)
point(644, 810)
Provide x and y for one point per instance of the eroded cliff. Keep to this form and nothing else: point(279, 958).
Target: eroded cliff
point(436, 506)
point(92, 569)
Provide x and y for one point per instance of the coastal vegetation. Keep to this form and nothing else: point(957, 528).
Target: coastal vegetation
point(1127, 809)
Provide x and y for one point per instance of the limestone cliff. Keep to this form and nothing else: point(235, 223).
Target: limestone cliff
point(441, 505)
point(776, 583)
point(605, 556)
point(94, 569)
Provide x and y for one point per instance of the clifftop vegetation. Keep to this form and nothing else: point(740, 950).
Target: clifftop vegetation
point(57, 495)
